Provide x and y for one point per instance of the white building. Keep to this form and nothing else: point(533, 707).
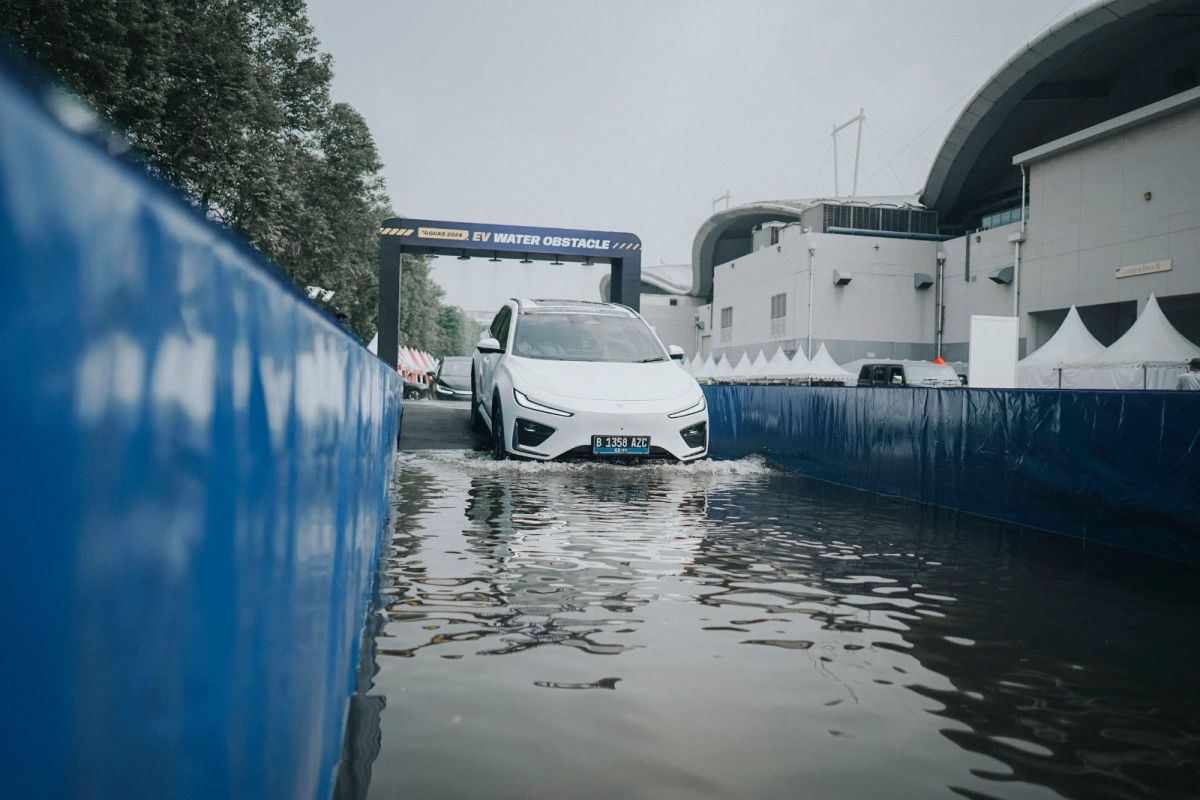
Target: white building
point(1094, 129)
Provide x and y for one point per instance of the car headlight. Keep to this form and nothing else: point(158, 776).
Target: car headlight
point(523, 400)
point(694, 408)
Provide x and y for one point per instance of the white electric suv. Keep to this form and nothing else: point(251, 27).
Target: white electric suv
point(570, 378)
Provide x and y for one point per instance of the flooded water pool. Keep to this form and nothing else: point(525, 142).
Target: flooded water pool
point(729, 630)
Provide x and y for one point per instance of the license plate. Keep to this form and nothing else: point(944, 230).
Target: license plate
point(621, 445)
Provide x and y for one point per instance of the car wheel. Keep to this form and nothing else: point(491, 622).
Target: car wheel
point(476, 418)
point(499, 449)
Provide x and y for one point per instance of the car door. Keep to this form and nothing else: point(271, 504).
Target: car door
point(485, 379)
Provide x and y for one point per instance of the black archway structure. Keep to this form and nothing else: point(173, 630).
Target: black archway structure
point(399, 235)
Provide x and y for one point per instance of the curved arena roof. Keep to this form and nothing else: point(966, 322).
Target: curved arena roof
point(658, 279)
point(1106, 60)
point(726, 234)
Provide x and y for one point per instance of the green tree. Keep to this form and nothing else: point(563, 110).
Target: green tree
point(229, 100)
point(420, 306)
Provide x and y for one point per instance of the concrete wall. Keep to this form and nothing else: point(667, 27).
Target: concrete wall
point(878, 313)
point(674, 324)
point(1088, 217)
point(968, 290)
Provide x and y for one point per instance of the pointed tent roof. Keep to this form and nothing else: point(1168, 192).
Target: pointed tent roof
point(1071, 342)
point(779, 365)
point(705, 370)
point(823, 367)
point(753, 369)
point(727, 369)
point(1151, 339)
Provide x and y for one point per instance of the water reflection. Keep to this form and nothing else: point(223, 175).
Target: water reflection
point(733, 631)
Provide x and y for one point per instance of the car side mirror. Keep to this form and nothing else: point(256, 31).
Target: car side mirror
point(676, 352)
point(488, 344)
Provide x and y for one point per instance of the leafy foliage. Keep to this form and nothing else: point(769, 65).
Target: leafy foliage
point(229, 101)
point(427, 324)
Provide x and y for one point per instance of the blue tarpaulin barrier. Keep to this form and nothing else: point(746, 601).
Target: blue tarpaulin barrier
point(193, 485)
point(1120, 468)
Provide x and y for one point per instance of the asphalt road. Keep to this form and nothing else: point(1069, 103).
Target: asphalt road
point(437, 425)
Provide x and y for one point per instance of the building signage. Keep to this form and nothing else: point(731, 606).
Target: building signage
point(1144, 269)
point(453, 234)
point(436, 235)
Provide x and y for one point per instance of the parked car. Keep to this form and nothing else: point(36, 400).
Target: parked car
point(555, 378)
point(452, 379)
point(907, 373)
point(413, 389)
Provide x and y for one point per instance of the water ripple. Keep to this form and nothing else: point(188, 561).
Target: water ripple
point(770, 636)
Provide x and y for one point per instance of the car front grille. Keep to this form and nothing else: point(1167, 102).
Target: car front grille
point(584, 453)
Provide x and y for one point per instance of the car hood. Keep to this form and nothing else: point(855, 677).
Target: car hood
point(455, 382)
point(598, 380)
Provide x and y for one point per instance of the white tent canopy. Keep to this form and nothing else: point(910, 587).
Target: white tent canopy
point(822, 367)
point(704, 370)
point(1150, 355)
point(1072, 342)
point(752, 369)
point(780, 366)
point(726, 370)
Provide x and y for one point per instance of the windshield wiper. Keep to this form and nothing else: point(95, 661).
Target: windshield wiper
point(648, 360)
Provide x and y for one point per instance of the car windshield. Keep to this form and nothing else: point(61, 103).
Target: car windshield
point(456, 369)
point(586, 337)
point(929, 372)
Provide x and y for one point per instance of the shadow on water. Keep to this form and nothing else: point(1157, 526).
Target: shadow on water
point(731, 630)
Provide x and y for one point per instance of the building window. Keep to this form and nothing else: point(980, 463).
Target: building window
point(1005, 217)
point(727, 325)
point(778, 314)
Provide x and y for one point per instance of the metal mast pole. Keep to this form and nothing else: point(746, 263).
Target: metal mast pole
point(857, 149)
point(860, 119)
point(836, 192)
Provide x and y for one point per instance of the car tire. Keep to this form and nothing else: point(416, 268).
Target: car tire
point(476, 418)
point(499, 448)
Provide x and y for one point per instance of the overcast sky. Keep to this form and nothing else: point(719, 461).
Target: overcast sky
point(635, 114)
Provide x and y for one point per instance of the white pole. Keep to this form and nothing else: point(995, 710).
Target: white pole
point(836, 192)
point(1017, 257)
point(857, 149)
point(808, 348)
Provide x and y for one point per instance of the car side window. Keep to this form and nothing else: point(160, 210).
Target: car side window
point(864, 375)
point(879, 375)
point(897, 376)
point(502, 322)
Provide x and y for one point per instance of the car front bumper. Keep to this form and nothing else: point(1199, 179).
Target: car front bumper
point(572, 436)
point(446, 393)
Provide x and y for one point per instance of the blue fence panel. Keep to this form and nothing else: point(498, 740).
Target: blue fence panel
point(192, 485)
point(1121, 468)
